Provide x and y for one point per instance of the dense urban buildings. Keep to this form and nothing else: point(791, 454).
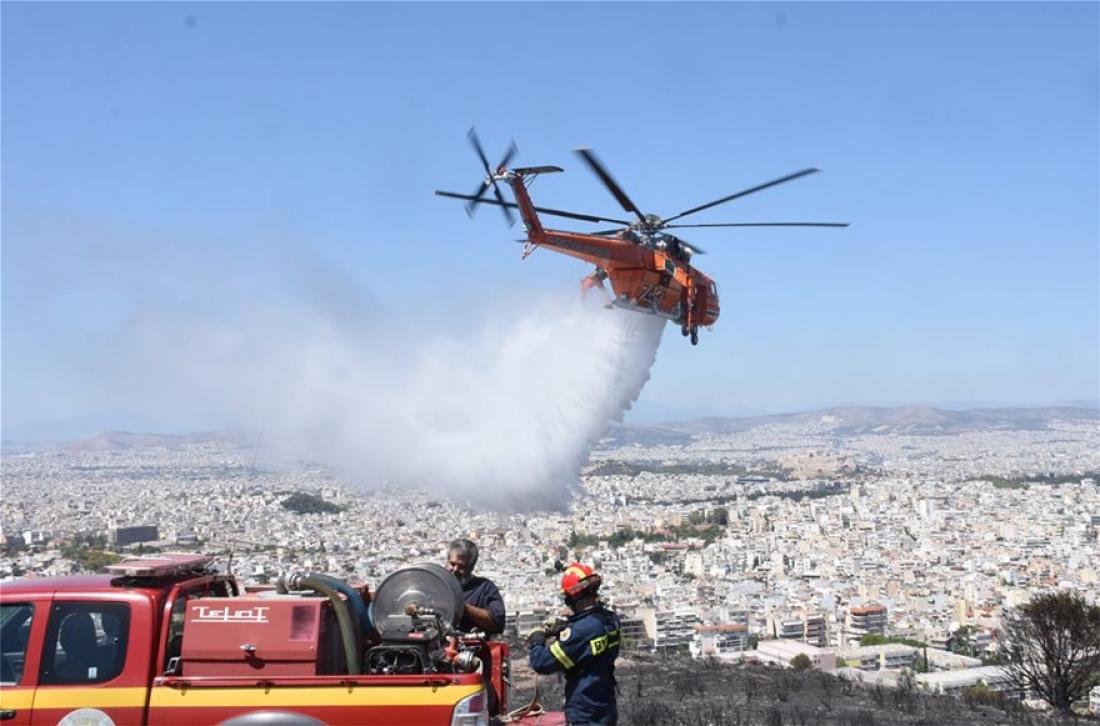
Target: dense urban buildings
point(799, 531)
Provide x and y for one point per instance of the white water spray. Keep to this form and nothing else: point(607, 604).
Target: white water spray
point(504, 417)
point(507, 419)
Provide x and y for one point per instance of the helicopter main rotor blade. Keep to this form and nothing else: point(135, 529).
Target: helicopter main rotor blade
point(471, 206)
point(765, 224)
point(745, 192)
point(543, 210)
point(511, 152)
point(615, 189)
point(508, 216)
point(489, 180)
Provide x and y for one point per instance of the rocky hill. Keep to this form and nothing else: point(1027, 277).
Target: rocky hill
point(848, 421)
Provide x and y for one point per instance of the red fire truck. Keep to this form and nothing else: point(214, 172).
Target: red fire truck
point(167, 640)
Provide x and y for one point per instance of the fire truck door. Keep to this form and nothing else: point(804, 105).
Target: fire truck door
point(175, 610)
point(21, 628)
point(94, 667)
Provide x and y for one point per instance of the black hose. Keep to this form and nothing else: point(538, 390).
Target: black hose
point(355, 601)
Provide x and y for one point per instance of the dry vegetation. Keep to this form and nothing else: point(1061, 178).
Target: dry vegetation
point(676, 691)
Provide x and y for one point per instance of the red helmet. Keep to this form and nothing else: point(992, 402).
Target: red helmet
point(577, 579)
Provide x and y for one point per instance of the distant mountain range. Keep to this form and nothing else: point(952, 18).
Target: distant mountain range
point(855, 420)
point(840, 421)
point(83, 426)
point(124, 440)
point(117, 440)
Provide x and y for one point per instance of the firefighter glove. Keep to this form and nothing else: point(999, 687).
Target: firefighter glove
point(536, 637)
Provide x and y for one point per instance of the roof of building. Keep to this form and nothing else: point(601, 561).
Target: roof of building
point(860, 651)
point(723, 628)
point(787, 648)
point(963, 676)
point(868, 609)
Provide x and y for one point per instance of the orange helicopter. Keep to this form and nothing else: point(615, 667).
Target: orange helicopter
point(649, 269)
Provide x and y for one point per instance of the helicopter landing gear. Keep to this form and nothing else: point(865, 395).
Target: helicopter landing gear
point(695, 335)
point(684, 331)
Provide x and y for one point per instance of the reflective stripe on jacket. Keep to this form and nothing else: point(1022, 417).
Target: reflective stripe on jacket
point(586, 651)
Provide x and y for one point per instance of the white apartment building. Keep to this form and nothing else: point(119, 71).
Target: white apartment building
point(781, 652)
point(891, 656)
point(633, 633)
point(675, 628)
point(718, 639)
point(802, 625)
point(953, 682)
point(861, 621)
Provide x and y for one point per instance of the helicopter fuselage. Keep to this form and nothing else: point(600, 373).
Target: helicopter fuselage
point(648, 272)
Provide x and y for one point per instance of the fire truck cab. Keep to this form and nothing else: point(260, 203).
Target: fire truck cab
point(166, 640)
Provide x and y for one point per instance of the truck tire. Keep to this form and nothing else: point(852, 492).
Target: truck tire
point(272, 718)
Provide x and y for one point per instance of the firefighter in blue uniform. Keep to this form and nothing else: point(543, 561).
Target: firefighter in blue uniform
point(586, 649)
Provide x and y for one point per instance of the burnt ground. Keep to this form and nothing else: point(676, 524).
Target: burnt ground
point(677, 691)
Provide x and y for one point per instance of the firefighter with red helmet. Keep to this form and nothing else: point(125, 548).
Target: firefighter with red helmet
point(585, 649)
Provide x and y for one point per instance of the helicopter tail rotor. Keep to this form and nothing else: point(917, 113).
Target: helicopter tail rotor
point(490, 178)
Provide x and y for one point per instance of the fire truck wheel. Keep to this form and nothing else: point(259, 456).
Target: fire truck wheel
point(86, 717)
point(272, 718)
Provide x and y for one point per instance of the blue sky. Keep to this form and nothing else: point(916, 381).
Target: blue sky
point(176, 159)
